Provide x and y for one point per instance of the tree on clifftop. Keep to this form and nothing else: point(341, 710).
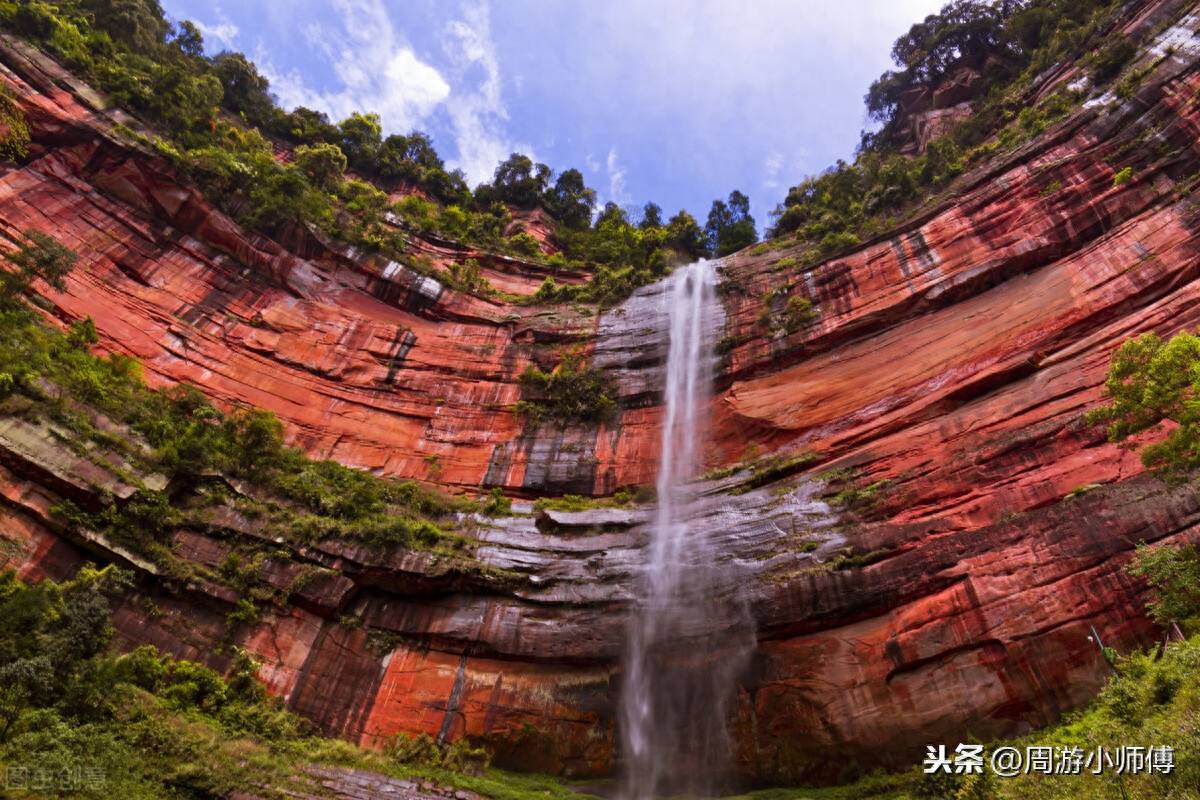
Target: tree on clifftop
point(730, 226)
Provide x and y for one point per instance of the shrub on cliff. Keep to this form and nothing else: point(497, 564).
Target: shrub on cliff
point(1108, 61)
point(38, 257)
point(14, 130)
point(573, 392)
point(1151, 381)
point(1174, 575)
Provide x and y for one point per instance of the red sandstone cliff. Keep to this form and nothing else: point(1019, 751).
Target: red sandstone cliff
point(949, 369)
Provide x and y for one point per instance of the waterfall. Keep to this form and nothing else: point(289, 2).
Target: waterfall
point(689, 635)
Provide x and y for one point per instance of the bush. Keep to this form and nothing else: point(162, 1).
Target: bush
point(38, 257)
point(323, 163)
point(1174, 575)
point(497, 505)
point(14, 130)
point(572, 393)
point(1150, 381)
point(1109, 61)
point(458, 756)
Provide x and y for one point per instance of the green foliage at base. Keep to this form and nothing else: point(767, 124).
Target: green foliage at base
point(98, 725)
point(457, 756)
point(624, 498)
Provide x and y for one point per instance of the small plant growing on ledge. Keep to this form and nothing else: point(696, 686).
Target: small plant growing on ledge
point(572, 392)
point(496, 504)
point(783, 317)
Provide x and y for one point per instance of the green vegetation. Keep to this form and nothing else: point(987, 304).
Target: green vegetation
point(221, 128)
point(782, 315)
point(1174, 574)
point(853, 493)
point(497, 504)
point(730, 226)
point(572, 392)
point(623, 498)
point(14, 130)
point(1151, 381)
point(1123, 176)
point(1007, 44)
point(1107, 63)
point(141, 725)
point(52, 376)
point(38, 257)
point(764, 470)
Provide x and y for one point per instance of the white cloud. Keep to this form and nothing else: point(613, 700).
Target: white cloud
point(616, 178)
point(375, 68)
point(591, 163)
point(224, 33)
point(478, 116)
point(771, 168)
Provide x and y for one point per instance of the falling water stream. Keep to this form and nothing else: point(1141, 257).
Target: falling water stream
point(689, 636)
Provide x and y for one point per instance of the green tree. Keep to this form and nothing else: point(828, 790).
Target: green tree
point(188, 39)
point(308, 126)
point(570, 201)
point(244, 90)
point(964, 32)
point(38, 256)
point(1174, 575)
point(651, 216)
point(184, 102)
point(361, 138)
point(730, 227)
point(685, 235)
point(611, 217)
point(520, 182)
point(48, 631)
point(1149, 381)
point(323, 163)
point(408, 157)
point(141, 24)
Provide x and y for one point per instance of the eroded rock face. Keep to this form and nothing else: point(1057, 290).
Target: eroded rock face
point(917, 569)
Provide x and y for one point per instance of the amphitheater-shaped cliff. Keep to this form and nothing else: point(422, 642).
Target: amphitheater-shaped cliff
point(933, 531)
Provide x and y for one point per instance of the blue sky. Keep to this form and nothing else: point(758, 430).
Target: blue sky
point(667, 100)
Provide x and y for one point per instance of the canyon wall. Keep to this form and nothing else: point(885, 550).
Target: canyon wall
point(933, 530)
